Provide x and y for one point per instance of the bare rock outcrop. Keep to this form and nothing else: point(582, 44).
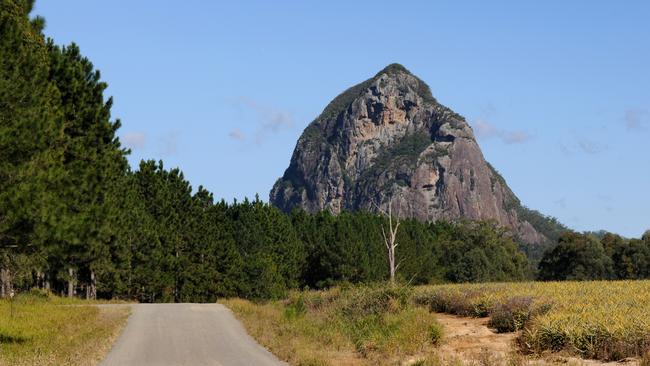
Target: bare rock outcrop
point(389, 139)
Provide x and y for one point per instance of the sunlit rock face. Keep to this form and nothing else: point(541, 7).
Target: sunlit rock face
point(389, 139)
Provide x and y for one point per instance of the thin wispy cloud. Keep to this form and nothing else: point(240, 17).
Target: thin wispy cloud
point(582, 145)
point(168, 144)
point(485, 130)
point(135, 140)
point(635, 119)
point(592, 147)
point(237, 134)
point(270, 120)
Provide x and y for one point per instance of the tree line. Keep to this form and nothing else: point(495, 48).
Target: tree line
point(76, 219)
point(585, 256)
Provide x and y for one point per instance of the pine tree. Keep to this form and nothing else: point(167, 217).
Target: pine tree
point(31, 128)
point(94, 164)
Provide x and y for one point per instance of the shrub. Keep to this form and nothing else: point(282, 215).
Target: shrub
point(34, 296)
point(511, 315)
point(435, 333)
point(295, 307)
point(516, 313)
point(470, 303)
point(363, 301)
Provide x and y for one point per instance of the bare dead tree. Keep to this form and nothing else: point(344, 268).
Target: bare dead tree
point(390, 239)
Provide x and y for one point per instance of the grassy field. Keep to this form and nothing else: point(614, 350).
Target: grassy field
point(355, 326)
point(46, 330)
point(553, 322)
point(599, 320)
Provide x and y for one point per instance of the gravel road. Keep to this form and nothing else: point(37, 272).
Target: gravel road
point(186, 335)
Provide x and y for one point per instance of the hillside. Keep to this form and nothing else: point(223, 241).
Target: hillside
point(388, 139)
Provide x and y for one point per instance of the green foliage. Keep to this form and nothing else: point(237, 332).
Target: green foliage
point(31, 138)
point(366, 325)
point(548, 226)
point(479, 252)
point(350, 248)
point(576, 257)
point(343, 100)
point(75, 218)
point(604, 256)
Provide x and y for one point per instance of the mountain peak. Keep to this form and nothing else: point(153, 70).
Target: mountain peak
point(388, 139)
point(396, 72)
point(394, 68)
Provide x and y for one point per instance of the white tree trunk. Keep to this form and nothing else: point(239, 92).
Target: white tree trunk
point(92, 286)
point(71, 282)
point(390, 241)
point(40, 280)
point(46, 282)
point(5, 287)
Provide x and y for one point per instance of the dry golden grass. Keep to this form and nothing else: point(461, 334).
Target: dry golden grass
point(46, 330)
point(350, 327)
point(358, 326)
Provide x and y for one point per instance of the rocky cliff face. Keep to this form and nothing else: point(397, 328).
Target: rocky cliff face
point(388, 139)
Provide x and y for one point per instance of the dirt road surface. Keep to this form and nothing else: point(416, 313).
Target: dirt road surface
point(186, 335)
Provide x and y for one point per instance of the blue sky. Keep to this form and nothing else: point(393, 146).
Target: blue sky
point(557, 92)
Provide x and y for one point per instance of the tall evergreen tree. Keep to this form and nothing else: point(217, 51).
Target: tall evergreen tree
point(94, 164)
point(31, 126)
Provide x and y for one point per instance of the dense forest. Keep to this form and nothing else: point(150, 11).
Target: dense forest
point(76, 219)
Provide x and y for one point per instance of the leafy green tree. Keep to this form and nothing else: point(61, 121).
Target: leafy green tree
point(576, 257)
point(478, 252)
point(611, 243)
point(631, 259)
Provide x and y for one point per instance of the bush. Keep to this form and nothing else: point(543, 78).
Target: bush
point(511, 315)
point(363, 301)
point(470, 303)
point(375, 324)
point(515, 313)
point(295, 307)
point(34, 296)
